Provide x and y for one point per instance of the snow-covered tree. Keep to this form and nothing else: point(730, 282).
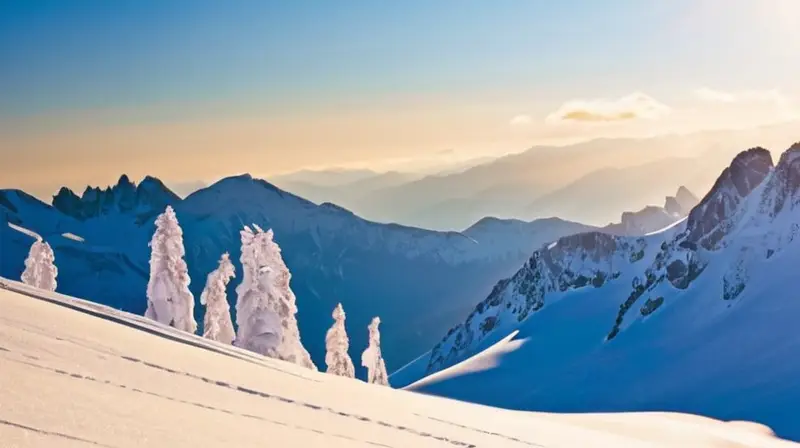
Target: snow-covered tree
point(217, 324)
point(336, 345)
point(169, 300)
point(372, 358)
point(40, 269)
point(265, 307)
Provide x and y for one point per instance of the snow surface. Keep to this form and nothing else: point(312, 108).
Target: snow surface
point(25, 231)
point(78, 374)
point(73, 237)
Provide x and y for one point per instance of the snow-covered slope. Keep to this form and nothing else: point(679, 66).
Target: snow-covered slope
point(86, 375)
point(418, 281)
point(86, 269)
point(700, 317)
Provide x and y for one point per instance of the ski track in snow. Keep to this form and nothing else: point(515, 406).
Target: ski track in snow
point(80, 381)
point(8, 355)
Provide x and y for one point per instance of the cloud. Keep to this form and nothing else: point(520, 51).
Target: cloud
point(630, 107)
point(744, 96)
point(521, 120)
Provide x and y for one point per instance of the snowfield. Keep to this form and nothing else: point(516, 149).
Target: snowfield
point(78, 374)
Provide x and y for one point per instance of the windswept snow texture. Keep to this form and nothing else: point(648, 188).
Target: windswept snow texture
point(419, 281)
point(700, 318)
point(85, 375)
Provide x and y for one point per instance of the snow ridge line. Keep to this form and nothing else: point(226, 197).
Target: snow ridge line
point(96, 310)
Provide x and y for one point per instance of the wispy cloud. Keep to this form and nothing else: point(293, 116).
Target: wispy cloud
point(743, 96)
point(521, 120)
point(604, 110)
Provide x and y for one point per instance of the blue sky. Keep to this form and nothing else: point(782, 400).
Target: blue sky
point(133, 62)
point(96, 54)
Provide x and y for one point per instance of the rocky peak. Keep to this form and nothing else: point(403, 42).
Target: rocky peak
point(125, 197)
point(785, 182)
point(708, 221)
point(682, 203)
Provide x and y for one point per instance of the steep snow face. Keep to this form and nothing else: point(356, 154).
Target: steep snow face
point(696, 318)
point(150, 197)
point(88, 375)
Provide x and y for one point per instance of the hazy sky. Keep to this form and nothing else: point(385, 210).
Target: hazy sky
point(198, 89)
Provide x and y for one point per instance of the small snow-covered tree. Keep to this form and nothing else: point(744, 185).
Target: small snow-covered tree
point(40, 269)
point(217, 324)
point(372, 358)
point(169, 300)
point(266, 305)
point(256, 328)
point(336, 345)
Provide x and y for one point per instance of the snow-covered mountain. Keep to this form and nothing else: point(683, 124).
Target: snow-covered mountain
point(418, 281)
point(87, 375)
point(700, 317)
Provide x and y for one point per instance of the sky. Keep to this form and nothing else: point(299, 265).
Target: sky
point(194, 90)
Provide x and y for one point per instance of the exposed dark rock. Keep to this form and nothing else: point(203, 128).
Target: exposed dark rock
point(651, 305)
point(146, 200)
point(748, 169)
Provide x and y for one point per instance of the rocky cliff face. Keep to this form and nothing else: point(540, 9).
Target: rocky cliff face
point(750, 213)
point(587, 260)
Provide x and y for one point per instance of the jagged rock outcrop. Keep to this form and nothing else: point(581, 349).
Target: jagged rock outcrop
point(149, 197)
point(710, 220)
point(653, 218)
point(583, 260)
point(682, 203)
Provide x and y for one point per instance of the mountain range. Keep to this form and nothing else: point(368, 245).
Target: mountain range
point(589, 182)
point(699, 317)
point(418, 281)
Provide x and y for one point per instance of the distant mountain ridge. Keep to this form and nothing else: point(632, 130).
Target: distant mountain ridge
point(652, 218)
point(569, 181)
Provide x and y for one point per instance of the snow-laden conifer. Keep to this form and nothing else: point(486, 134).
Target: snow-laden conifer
point(265, 307)
point(217, 324)
point(372, 358)
point(40, 269)
point(336, 345)
point(169, 300)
